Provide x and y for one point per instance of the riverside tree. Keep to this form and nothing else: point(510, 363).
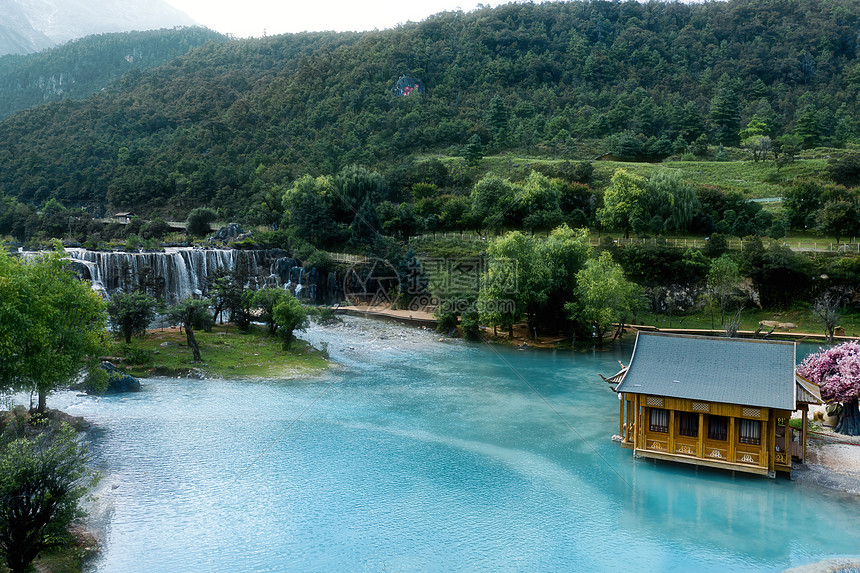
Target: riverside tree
point(51, 324)
point(266, 299)
point(43, 476)
point(190, 314)
point(837, 371)
point(516, 281)
point(131, 313)
point(307, 209)
point(603, 296)
point(289, 315)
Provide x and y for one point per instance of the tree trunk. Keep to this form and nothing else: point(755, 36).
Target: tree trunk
point(287, 339)
point(849, 422)
point(43, 402)
point(618, 331)
point(24, 549)
point(192, 342)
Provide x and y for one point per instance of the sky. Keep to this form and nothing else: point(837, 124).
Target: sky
point(244, 18)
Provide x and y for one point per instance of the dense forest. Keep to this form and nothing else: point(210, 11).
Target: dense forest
point(228, 123)
point(82, 67)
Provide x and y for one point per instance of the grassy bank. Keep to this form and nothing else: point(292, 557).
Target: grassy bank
point(750, 178)
point(803, 321)
point(226, 351)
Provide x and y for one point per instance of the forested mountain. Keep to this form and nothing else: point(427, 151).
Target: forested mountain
point(225, 123)
point(83, 67)
point(31, 25)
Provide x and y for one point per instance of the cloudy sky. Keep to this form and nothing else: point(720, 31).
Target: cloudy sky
point(244, 18)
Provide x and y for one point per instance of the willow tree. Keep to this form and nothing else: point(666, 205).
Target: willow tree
point(837, 371)
point(51, 324)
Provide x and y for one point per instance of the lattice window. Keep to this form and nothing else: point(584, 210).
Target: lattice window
point(701, 407)
point(750, 432)
point(658, 420)
point(652, 401)
point(751, 412)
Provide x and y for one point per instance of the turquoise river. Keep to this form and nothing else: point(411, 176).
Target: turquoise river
point(416, 454)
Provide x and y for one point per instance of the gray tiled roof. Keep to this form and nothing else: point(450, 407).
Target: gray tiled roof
point(727, 370)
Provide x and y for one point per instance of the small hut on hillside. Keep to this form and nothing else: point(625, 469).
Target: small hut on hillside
point(407, 85)
point(717, 402)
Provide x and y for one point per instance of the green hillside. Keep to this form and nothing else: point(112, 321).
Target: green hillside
point(227, 123)
point(83, 67)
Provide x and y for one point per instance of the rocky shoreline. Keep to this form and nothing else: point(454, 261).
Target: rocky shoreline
point(833, 461)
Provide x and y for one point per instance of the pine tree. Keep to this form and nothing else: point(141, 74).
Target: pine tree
point(807, 127)
point(474, 150)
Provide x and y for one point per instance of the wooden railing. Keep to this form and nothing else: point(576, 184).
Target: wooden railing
point(347, 258)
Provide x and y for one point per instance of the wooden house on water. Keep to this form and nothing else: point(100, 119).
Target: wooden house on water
point(717, 402)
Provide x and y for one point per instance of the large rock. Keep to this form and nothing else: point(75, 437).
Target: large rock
point(230, 232)
point(119, 380)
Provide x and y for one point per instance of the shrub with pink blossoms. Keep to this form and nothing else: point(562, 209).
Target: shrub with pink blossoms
point(837, 371)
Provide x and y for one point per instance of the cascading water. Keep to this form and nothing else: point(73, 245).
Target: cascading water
point(177, 272)
point(181, 272)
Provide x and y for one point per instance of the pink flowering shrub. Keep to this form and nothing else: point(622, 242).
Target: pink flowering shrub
point(836, 370)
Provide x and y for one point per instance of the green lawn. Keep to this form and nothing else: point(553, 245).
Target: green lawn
point(226, 353)
point(753, 180)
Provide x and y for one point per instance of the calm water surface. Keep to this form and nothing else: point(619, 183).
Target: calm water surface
point(420, 455)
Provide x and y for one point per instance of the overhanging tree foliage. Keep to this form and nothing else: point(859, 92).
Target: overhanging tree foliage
point(51, 323)
point(265, 300)
point(43, 476)
point(517, 281)
point(624, 203)
point(724, 280)
point(200, 220)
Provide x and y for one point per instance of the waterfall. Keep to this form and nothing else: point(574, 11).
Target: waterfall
point(181, 272)
point(176, 273)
